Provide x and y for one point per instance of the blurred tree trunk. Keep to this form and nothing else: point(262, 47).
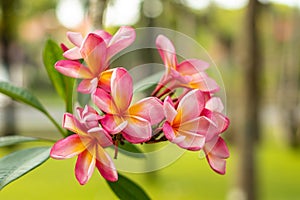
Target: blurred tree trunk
point(96, 12)
point(7, 38)
point(290, 80)
point(252, 64)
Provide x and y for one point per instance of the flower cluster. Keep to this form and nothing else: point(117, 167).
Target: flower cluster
point(190, 117)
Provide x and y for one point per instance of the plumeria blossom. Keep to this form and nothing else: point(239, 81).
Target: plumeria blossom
point(216, 153)
point(182, 109)
point(96, 49)
point(184, 125)
point(88, 144)
point(215, 147)
point(133, 121)
point(189, 73)
point(88, 117)
point(115, 43)
point(213, 111)
point(197, 124)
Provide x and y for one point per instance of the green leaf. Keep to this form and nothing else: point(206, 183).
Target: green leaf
point(83, 99)
point(21, 95)
point(24, 96)
point(148, 82)
point(51, 54)
point(69, 86)
point(125, 189)
point(131, 150)
point(10, 140)
point(62, 84)
point(16, 164)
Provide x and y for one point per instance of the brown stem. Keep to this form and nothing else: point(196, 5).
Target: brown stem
point(162, 139)
point(157, 89)
point(116, 149)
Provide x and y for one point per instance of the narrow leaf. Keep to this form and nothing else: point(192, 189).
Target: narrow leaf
point(131, 150)
point(148, 82)
point(51, 54)
point(24, 96)
point(14, 139)
point(16, 164)
point(125, 189)
point(21, 95)
point(62, 84)
point(69, 86)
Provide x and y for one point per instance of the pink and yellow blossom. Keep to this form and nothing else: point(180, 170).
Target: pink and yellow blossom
point(195, 124)
point(96, 49)
point(193, 121)
point(188, 74)
point(213, 111)
point(216, 153)
point(132, 120)
point(88, 144)
point(184, 126)
point(215, 147)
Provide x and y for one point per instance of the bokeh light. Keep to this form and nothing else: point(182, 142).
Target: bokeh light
point(70, 13)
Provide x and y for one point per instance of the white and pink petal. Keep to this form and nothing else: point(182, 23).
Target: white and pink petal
point(73, 69)
point(104, 101)
point(85, 166)
point(216, 152)
point(75, 37)
point(167, 51)
point(121, 89)
point(93, 51)
point(124, 37)
point(191, 105)
point(192, 66)
point(73, 53)
point(138, 130)
point(113, 124)
point(150, 108)
point(192, 141)
point(217, 164)
point(214, 104)
point(105, 80)
point(100, 137)
point(220, 121)
point(199, 125)
point(88, 115)
point(204, 83)
point(169, 132)
point(88, 86)
point(104, 35)
point(71, 123)
point(106, 166)
point(169, 110)
point(67, 147)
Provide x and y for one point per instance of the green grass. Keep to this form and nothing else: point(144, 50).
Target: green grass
point(279, 173)
point(188, 178)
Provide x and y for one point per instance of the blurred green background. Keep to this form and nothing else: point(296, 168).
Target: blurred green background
point(255, 45)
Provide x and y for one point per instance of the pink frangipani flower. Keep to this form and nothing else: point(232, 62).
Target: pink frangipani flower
point(184, 126)
point(88, 117)
point(88, 144)
point(215, 147)
point(216, 153)
point(133, 121)
point(114, 43)
point(96, 49)
point(189, 73)
point(213, 111)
